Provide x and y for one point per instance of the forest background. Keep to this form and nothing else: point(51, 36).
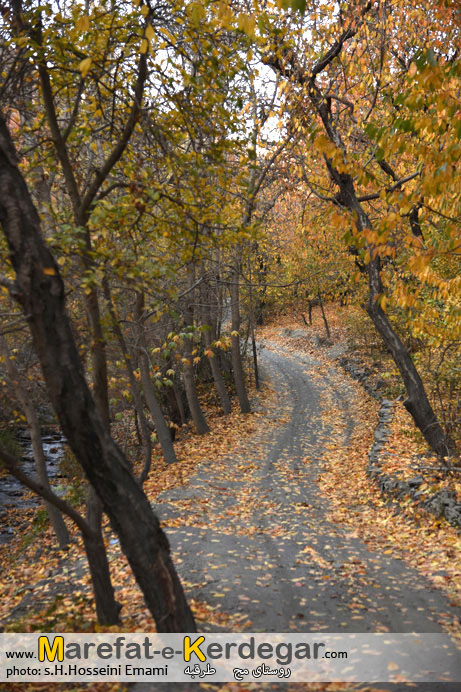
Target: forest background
point(173, 175)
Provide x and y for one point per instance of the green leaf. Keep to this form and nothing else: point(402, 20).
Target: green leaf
point(299, 5)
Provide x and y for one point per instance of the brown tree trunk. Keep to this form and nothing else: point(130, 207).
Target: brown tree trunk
point(217, 376)
point(251, 324)
point(189, 380)
point(416, 403)
point(179, 403)
point(56, 519)
point(237, 365)
point(209, 336)
point(107, 608)
point(163, 433)
point(144, 432)
point(324, 317)
point(98, 355)
point(40, 291)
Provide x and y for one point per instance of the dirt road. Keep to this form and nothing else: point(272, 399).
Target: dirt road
point(265, 551)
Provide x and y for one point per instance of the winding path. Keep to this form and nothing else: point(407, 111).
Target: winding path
point(264, 550)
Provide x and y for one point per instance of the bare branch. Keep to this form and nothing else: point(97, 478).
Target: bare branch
point(120, 147)
point(337, 47)
point(397, 184)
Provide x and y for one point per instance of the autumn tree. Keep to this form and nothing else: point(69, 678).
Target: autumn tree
point(345, 67)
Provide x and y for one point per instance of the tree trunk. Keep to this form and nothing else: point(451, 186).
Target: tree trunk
point(54, 515)
point(144, 432)
point(180, 404)
point(153, 405)
point(209, 336)
point(217, 376)
point(40, 291)
point(163, 432)
point(324, 317)
point(237, 365)
point(107, 608)
point(56, 518)
point(94, 546)
point(416, 403)
point(98, 355)
point(252, 330)
point(189, 381)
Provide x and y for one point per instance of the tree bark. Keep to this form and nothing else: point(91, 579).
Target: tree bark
point(56, 519)
point(98, 354)
point(324, 317)
point(189, 380)
point(144, 432)
point(40, 291)
point(179, 403)
point(252, 330)
point(107, 608)
point(217, 375)
point(156, 412)
point(97, 560)
point(416, 403)
point(209, 335)
point(163, 433)
point(237, 365)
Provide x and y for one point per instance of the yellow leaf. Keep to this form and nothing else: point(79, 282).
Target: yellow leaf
point(144, 10)
point(150, 33)
point(49, 271)
point(83, 23)
point(197, 13)
point(144, 45)
point(246, 23)
point(85, 66)
point(419, 263)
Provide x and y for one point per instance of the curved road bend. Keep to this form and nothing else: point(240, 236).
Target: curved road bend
point(269, 553)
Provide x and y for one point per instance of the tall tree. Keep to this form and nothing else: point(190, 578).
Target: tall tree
point(334, 106)
point(39, 289)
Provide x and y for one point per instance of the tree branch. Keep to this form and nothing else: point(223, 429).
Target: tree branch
point(397, 184)
point(11, 463)
point(336, 48)
point(120, 147)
